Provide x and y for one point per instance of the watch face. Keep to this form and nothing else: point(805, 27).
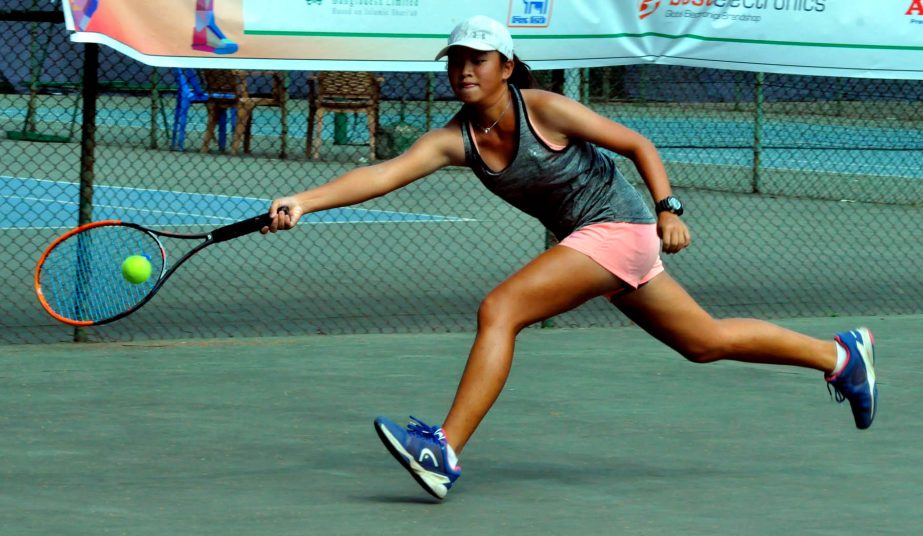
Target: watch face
point(670, 204)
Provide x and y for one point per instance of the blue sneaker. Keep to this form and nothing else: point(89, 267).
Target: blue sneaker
point(421, 449)
point(856, 382)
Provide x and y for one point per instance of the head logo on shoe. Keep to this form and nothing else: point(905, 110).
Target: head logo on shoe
point(426, 452)
point(856, 381)
point(412, 445)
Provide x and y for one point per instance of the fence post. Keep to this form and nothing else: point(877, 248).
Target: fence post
point(155, 106)
point(87, 144)
point(737, 92)
point(430, 80)
point(585, 86)
point(757, 134)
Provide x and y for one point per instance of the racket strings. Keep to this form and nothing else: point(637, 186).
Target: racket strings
point(81, 278)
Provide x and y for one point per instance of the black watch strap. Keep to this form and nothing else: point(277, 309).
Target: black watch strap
point(669, 204)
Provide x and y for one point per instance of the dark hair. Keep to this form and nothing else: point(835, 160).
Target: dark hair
point(522, 74)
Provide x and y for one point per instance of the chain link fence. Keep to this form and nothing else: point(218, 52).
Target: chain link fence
point(803, 194)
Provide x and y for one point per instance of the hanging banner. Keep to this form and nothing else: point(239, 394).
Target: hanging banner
point(881, 39)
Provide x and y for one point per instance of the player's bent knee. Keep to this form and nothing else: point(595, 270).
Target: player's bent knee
point(498, 312)
point(701, 355)
point(491, 311)
point(710, 341)
point(704, 349)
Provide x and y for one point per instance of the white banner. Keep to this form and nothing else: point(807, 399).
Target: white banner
point(859, 38)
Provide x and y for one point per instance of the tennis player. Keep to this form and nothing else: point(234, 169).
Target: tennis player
point(206, 35)
point(540, 151)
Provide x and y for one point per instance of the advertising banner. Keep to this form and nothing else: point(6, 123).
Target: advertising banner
point(881, 39)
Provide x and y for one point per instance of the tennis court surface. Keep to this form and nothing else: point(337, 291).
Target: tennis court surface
point(599, 431)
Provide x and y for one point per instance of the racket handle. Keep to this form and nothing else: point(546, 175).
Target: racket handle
point(243, 227)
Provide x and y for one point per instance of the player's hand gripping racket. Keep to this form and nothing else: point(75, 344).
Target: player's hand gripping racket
point(80, 281)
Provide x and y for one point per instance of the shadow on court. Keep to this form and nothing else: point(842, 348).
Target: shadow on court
point(598, 431)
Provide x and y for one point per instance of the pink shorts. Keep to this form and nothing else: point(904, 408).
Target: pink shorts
point(630, 251)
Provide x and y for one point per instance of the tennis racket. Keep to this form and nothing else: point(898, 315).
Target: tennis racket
point(79, 278)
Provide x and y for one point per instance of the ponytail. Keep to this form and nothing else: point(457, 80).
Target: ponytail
point(522, 74)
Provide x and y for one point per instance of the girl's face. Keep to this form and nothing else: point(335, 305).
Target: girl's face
point(475, 75)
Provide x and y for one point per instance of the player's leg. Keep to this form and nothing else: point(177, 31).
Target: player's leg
point(206, 35)
point(556, 281)
point(82, 11)
point(665, 310)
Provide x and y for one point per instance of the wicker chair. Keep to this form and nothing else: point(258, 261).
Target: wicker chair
point(234, 84)
point(349, 92)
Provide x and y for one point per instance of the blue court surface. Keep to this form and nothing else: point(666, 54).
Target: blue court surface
point(787, 145)
point(853, 149)
point(36, 203)
point(882, 163)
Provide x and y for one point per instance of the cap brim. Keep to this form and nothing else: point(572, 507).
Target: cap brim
point(469, 43)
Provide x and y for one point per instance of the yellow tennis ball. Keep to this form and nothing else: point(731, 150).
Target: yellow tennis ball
point(136, 269)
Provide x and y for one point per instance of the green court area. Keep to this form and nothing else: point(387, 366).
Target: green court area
point(599, 431)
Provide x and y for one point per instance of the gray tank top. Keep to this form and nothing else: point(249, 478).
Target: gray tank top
point(565, 189)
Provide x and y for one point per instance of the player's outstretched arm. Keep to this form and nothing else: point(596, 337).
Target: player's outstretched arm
point(434, 150)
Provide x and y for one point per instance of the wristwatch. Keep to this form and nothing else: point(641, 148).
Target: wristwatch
point(669, 204)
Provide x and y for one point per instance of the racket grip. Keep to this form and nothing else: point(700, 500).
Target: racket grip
point(243, 227)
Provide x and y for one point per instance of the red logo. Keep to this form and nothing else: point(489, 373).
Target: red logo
point(916, 8)
point(648, 7)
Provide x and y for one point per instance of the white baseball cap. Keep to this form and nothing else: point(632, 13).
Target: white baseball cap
point(480, 33)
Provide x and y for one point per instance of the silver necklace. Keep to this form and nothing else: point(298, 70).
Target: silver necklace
point(492, 125)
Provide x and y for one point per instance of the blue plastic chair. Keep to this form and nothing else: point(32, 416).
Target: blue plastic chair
point(189, 91)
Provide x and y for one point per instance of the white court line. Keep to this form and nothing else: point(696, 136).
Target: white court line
point(801, 169)
point(27, 179)
point(429, 217)
point(412, 217)
point(267, 201)
point(180, 225)
point(121, 207)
